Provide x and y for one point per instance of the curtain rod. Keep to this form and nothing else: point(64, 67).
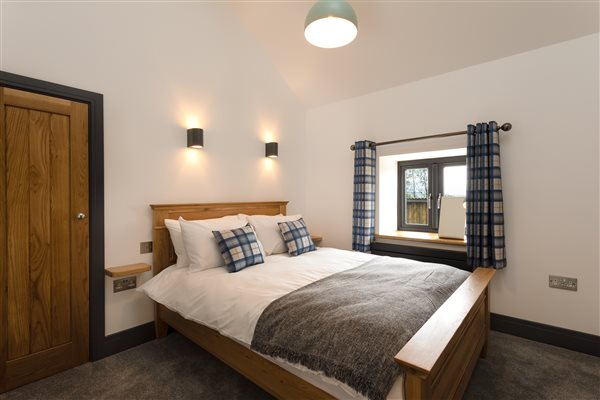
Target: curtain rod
point(507, 126)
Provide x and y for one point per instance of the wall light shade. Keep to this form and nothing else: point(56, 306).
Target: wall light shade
point(272, 150)
point(195, 138)
point(330, 24)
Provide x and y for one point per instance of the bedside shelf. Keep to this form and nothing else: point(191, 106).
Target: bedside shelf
point(127, 270)
point(316, 239)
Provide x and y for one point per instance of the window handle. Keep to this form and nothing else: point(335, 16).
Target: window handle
point(429, 202)
point(439, 201)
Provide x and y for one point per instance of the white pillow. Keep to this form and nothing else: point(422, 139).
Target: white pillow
point(177, 240)
point(268, 231)
point(200, 244)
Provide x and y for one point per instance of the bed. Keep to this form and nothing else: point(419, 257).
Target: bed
point(437, 361)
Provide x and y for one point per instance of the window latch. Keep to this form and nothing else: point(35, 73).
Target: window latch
point(429, 202)
point(439, 201)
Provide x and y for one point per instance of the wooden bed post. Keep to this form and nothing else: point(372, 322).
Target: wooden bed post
point(160, 327)
point(416, 387)
point(487, 323)
point(160, 260)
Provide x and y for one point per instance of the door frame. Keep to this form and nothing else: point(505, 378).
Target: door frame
point(98, 343)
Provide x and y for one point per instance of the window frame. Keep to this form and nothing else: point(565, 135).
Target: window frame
point(435, 167)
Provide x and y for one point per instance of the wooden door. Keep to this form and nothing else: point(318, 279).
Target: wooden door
point(44, 236)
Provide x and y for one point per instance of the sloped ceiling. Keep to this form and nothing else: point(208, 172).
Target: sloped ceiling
point(404, 41)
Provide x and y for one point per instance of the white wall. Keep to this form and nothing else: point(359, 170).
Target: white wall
point(161, 67)
point(549, 166)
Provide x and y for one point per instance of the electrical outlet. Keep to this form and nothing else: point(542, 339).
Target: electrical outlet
point(562, 282)
point(122, 284)
point(145, 247)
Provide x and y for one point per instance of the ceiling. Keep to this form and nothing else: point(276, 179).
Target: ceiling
point(404, 41)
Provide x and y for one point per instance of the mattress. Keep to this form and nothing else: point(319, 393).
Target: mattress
point(231, 303)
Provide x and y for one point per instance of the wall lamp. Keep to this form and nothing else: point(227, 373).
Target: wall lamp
point(272, 150)
point(195, 138)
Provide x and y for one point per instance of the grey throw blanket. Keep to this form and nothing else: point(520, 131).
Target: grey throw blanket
point(350, 325)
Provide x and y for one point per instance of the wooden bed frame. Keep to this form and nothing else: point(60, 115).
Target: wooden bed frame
point(438, 360)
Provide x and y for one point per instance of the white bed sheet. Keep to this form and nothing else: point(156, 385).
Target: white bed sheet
point(231, 303)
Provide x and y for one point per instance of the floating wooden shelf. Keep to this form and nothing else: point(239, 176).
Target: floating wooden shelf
point(127, 270)
point(316, 239)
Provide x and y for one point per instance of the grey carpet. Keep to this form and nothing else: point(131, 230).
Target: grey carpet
point(175, 368)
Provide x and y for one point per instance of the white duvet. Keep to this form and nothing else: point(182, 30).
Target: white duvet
point(231, 303)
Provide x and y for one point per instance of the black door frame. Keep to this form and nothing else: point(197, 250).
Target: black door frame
point(98, 348)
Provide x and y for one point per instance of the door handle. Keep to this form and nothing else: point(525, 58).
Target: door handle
point(80, 215)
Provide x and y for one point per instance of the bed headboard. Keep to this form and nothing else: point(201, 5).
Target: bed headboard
point(163, 252)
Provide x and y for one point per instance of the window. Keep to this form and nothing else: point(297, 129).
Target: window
point(421, 185)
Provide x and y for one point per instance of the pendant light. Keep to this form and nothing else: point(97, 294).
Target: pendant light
point(330, 24)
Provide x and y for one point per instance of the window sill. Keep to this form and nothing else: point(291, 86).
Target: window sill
point(427, 237)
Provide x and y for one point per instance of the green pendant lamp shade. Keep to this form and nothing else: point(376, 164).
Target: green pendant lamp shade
point(330, 24)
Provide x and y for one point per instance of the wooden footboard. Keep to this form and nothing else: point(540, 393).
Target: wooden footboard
point(439, 359)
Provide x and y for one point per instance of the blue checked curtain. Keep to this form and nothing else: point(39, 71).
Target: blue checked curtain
point(363, 212)
point(485, 214)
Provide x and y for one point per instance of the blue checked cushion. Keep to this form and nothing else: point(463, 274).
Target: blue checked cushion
point(239, 247)
point(296, 237)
